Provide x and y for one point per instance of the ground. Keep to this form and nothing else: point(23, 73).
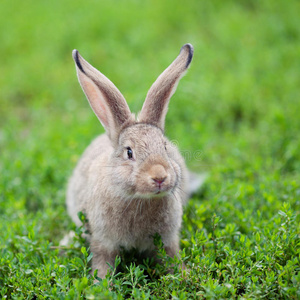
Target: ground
point(235, 117)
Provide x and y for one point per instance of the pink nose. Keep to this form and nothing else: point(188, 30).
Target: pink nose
point(159, 180)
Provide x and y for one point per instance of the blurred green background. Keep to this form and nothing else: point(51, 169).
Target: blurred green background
point(238, 104)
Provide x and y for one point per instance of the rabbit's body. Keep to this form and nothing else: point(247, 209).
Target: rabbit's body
point(130, 182)
point(116, 218)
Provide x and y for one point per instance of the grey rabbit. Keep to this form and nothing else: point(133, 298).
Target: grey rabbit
point(131, 182)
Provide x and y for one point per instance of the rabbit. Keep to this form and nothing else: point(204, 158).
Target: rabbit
point(131, 182)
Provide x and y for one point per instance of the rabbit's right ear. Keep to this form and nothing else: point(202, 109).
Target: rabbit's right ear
point(107, 102)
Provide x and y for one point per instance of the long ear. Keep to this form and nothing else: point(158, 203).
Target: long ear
point(155, 106)
point(107, 102)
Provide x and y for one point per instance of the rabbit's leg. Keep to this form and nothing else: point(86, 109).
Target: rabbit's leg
point(172, 248)
point(101, 258)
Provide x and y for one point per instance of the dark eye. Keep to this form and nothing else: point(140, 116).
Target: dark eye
point(129, 152)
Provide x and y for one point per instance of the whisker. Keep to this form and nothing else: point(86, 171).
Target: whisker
point(137, 209)
point(142, 203)
point(108, 166)
point(173, 193)
point(164, 204)
point(176, 196)
point(182, 190)
point(141, 206)
point(129, 202)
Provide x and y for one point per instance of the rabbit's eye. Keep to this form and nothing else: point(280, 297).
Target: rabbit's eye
point(129, 153)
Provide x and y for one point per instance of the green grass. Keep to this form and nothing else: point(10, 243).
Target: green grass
point(238, 107)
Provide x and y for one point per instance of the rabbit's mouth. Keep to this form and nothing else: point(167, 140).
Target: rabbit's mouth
point(158, 194)
point(153, 193)
point(160, 191)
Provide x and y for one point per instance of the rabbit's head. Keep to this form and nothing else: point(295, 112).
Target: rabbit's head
point(143, 162)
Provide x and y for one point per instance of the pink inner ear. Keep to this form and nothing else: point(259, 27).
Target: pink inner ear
point(96, 101)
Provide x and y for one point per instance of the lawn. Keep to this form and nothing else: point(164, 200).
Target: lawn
point(235, 116)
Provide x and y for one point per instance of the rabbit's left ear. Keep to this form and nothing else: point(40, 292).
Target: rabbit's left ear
point(156, 104)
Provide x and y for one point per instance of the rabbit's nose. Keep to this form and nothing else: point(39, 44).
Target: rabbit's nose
point(158, 174)
point(159, 181)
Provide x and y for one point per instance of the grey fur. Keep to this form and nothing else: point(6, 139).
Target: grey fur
point(127, 200)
